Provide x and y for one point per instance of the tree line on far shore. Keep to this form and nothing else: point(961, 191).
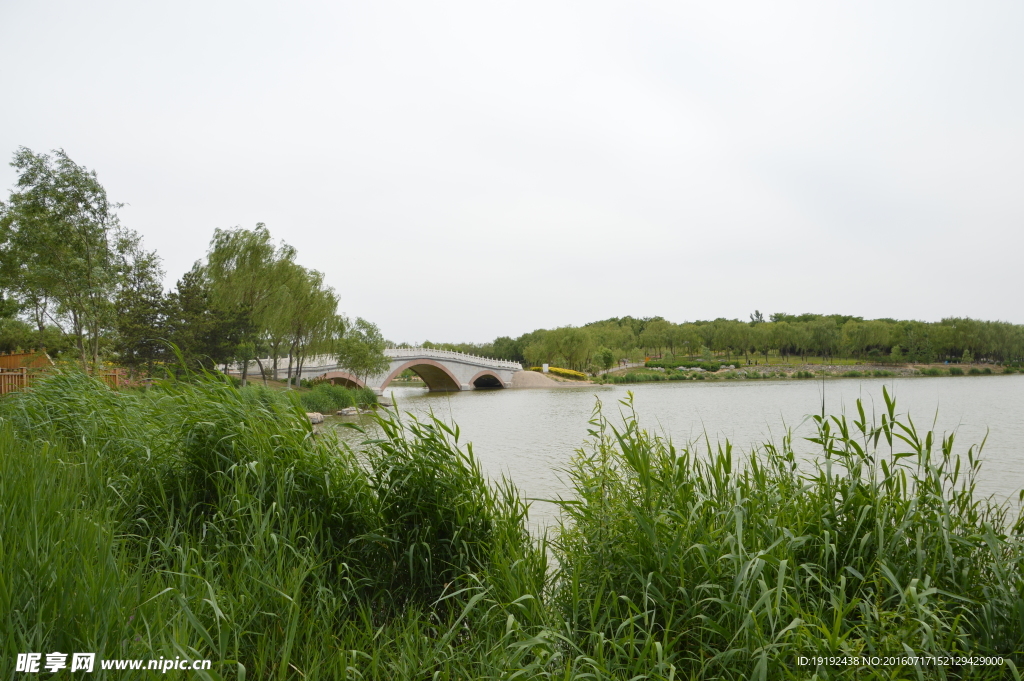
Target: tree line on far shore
point(602, 344)
point(77, 282)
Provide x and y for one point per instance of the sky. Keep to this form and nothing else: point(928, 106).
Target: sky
point(465, 170)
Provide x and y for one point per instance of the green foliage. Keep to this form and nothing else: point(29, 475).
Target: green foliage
point(204, 334)
point(605, 358)
point(783, 336)
point(60, 244)
point(642, 377)
point(140, 339)
point(201, 521)
point(361, 349)
point(689, 564)
point(327, 399)
point(198, 520)
point(956, 371)
point(852, 374)
point(684, 364)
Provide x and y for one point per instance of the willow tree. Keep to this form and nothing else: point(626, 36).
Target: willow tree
point(245, 270)
point(313, 323)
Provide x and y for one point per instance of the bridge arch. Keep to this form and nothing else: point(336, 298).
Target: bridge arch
point(486, 379)
point(437, 376)
point(343, 378)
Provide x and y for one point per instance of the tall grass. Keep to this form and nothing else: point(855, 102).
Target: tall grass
point(326, 398)
point(698, 564)
point(198, 520)
point(203, 521)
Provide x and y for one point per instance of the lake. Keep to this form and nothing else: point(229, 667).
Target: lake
point(529, 435)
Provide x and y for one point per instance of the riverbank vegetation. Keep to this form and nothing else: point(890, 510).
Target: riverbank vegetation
point(198, 520)
point(655, 371)
point(780, 339)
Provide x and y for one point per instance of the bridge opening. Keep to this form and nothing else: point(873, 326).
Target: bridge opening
point(436, 378)
point(342, 378)
point(434, 375)
point(488, 381)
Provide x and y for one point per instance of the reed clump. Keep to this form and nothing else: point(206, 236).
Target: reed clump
point(695, 564)
point(203, 521)
point(327, 399)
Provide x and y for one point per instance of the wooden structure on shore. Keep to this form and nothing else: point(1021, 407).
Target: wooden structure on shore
point(18, 370)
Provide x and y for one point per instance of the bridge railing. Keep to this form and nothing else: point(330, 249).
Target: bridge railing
point(451, 354)
point(322, 363)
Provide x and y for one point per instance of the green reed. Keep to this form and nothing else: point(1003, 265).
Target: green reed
point(701, 565)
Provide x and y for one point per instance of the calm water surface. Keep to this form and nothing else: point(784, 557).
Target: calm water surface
point(530, 435)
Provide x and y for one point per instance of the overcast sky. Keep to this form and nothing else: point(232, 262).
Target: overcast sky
point(461, 171)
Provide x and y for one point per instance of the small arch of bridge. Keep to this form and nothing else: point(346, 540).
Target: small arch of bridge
point(486, 379)
point(343, 378)
point(435, 375)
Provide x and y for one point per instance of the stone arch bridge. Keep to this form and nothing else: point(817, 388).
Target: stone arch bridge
point(441, 370)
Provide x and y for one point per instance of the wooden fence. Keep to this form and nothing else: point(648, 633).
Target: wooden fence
point(14, 379)
point(33, 359)
point(19, 379)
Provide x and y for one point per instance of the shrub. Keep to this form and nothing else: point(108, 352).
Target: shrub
point(642, 377)
point(987, 371)
point(564, 373)
point(853, 374)
point(932, 371)
point(318, 401)
point(974, 371)
point(1009, 370)
point(956, 371)
point(803, 374)
point(882, 373)
point(327, 399)
point(568, 373)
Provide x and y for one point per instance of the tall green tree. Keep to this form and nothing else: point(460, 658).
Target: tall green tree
point(245, 271)
point(313, 323)
point(361, 349)
point(140, 339)
point(57, 250)
point(205, 335)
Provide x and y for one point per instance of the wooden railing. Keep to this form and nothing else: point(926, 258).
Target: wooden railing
point(19, 379)
point(33, 359)
point(113, 378)
point(14, 379)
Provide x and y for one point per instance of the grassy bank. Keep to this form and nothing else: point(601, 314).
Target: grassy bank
point(200, 521)
point(655, 374)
